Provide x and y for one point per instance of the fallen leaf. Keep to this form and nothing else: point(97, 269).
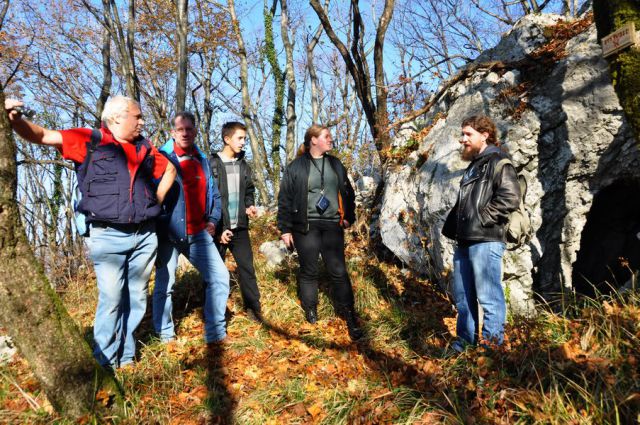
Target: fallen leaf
point(103, 397)
point(316, 410)
point(299, 409)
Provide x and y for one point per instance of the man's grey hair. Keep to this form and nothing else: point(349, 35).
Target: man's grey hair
point(116, 106)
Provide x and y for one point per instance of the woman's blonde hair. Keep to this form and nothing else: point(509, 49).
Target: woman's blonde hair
point(313, 131)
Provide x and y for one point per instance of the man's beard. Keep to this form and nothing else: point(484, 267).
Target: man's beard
point(468, 153)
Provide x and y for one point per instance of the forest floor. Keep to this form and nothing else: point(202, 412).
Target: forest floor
point(579, 367)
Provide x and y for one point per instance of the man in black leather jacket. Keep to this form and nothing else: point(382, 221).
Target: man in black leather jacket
point(477, 223)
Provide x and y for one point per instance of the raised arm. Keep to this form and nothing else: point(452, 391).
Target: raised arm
point(30, 131)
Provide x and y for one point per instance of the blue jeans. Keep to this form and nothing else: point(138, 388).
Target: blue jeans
point(477, 276)
point(123, 261)
point(202, 253)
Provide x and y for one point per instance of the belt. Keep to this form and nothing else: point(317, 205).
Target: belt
point(124, 227)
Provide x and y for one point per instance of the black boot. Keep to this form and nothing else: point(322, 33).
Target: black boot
point(355, 331)
point(311, 314)
point(255, 314)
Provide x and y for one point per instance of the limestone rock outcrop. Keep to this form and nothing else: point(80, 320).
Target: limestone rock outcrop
point(565, 129)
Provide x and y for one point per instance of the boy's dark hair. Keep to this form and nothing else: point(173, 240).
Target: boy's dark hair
point(185, 114)
point(231, 127)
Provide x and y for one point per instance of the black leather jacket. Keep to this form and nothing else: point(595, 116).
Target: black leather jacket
point(294, 194)
point(485, 200)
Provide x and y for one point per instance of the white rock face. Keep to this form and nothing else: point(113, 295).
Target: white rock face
point(7, 349)
point(570, 143)
point(365, 190)
point(275, 252)
point(525, 36)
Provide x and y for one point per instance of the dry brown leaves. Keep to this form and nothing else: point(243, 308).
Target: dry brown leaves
point(558, 36)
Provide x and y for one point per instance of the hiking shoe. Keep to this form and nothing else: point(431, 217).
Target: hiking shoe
point(355, 331)
point(255, 315)
point(311, 314)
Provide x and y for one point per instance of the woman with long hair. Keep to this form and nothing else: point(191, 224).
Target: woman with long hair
point(315, 204)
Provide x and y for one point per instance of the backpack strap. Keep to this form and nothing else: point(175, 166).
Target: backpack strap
point(215, 162)
point(522, 181)
point(94, 141)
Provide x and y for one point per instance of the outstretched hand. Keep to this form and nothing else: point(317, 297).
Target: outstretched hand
point(10, 106)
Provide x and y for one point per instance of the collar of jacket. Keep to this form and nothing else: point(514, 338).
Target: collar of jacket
point(108, 138)
point(489, 150)
point(169, 150)
point(309, 157)
point(238, 157)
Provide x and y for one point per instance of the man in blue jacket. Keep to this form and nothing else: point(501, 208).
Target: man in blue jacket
point(191, 212)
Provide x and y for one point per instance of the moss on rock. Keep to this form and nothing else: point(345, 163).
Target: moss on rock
point(625, 66)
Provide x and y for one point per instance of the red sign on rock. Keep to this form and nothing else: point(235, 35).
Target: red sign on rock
point(624, 37)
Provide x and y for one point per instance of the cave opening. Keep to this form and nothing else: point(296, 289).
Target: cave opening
point(610, 242)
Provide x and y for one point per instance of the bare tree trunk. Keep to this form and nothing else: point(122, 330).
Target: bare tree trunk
point(107, 75)
point(3, 11)
point(313, 75)
point(33, 314)
point(382, 91)
point(182, 26)
point(124, 42)
point(278, 79)
point(625, 66)
point(259, 158)
point(132, 77)
point(290, 145)
point(356, 63)
point(204, 118)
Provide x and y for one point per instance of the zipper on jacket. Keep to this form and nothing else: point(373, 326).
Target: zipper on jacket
point(306, 207)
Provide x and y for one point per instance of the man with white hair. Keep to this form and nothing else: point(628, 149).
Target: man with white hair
point(116, 168)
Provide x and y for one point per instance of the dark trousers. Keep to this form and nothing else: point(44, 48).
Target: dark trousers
point(240, 247)
point(326, 238)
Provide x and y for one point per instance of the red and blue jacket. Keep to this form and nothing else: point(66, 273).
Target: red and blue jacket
point(172, 223)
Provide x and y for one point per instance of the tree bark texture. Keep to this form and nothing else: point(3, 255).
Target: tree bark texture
point(356, 63)
point(290, 144)
point(32, 313)
point(182, 26)
point(278, 81)
point(107, 75)
point(382, 91)
point(313, 76)
point(259, 156)
point(625, 66)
